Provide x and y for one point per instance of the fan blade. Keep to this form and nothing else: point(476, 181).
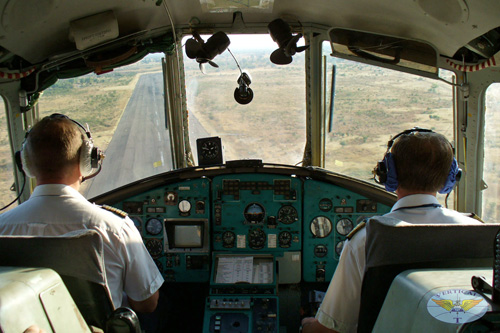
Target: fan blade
point(202, 67)
point(279, 57)
point(302, 48)
point(192, 48)
point(213, 64)
point(291, 46)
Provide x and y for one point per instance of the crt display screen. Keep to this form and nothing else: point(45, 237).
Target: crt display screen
point(188, 236)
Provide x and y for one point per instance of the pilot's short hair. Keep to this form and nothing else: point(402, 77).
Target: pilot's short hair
point(423, 161)
point(53, 145)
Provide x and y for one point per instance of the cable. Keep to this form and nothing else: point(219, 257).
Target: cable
point(237, 64)
point(20, 193)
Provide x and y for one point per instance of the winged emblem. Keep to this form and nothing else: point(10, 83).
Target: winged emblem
point(466, 305)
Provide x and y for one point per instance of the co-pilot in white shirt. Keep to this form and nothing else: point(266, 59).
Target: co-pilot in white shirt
point(55, 209)
point(340, 307)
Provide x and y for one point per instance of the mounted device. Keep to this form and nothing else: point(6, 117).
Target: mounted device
point(281, 33)
point(209, 151)
point(196, 48)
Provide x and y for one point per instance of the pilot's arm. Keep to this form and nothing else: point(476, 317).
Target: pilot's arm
point(147, 305)
point(312, 325)
point(340, 307)
point(142, 279)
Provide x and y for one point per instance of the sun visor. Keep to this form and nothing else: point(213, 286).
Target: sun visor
point(93, 30)
point(388, 51)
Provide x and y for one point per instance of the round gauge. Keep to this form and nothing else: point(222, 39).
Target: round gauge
point(154, 247)
point(184, 206)
point(339, 247)
point(344, 226)
point(228, 238)
point(153, 226)
point(325, 204)
point(288, 214)
point(321, 226)
point(320, 251)
point(285, 239)
point(256, 239)
point(209, 150)
point(254, 213)
point(137, 222)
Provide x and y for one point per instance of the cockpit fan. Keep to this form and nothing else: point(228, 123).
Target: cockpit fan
point(196, 48)
point(281, 33)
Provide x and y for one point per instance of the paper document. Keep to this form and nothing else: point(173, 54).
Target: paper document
point(234, 270)
point(263, 272)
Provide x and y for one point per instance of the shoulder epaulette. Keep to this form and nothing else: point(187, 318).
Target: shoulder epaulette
point(473, 216)
point(360, 226)
point(117, 211)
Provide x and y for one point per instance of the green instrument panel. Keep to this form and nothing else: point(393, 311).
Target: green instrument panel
point(302, 222)
point(330, 214)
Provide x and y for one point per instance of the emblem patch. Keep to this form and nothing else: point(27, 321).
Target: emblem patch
point(457, 306)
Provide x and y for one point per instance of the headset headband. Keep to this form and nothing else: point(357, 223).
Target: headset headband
point(62, 116)
point(407, 132)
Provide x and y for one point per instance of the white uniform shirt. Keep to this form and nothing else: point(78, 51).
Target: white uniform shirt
point(55, 209)
point(340, 307)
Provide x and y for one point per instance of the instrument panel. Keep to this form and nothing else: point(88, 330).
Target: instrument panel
point(301, 221)
point(256, 214)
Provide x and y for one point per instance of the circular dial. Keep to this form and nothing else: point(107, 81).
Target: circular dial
point(320, 251)
point(256, 239)
point(344, 226)
point(228, 238)
point(339, 247)
point(325, 204)
point(254, 213)
point(154, 226)
point(137, 222)
point(285, 239)
point(321, 226)
point(288, 214)
point(184, 206)
point(154, 247)
point(209, 150)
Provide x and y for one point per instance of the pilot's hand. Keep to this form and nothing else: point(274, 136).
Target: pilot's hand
point(311, 324)
point(34, 329)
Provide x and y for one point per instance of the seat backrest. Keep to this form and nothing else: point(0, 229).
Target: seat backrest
point(392, 249)
point(77, 257)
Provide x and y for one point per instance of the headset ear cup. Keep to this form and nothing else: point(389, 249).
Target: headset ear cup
point(453, 177)
point(25, 162)
point(391, 183)
point(86, 158)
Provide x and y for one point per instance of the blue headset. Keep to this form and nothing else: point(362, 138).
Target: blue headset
point(386, 169)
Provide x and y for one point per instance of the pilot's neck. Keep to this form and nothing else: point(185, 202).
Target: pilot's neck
point(402, 192)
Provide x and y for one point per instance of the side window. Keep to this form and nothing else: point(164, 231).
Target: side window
point(6, 164)
point(491, 172)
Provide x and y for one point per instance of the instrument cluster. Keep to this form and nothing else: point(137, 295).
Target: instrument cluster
point(257, 214)
point(301, 221)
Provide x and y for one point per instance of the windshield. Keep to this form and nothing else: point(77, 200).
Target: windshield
point(371, 105)
point(124, 110)
point(272, 126)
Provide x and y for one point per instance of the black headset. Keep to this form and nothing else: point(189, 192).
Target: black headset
point(386, 168)
point(90, 156)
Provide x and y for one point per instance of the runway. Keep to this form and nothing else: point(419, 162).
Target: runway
point(140, 146)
